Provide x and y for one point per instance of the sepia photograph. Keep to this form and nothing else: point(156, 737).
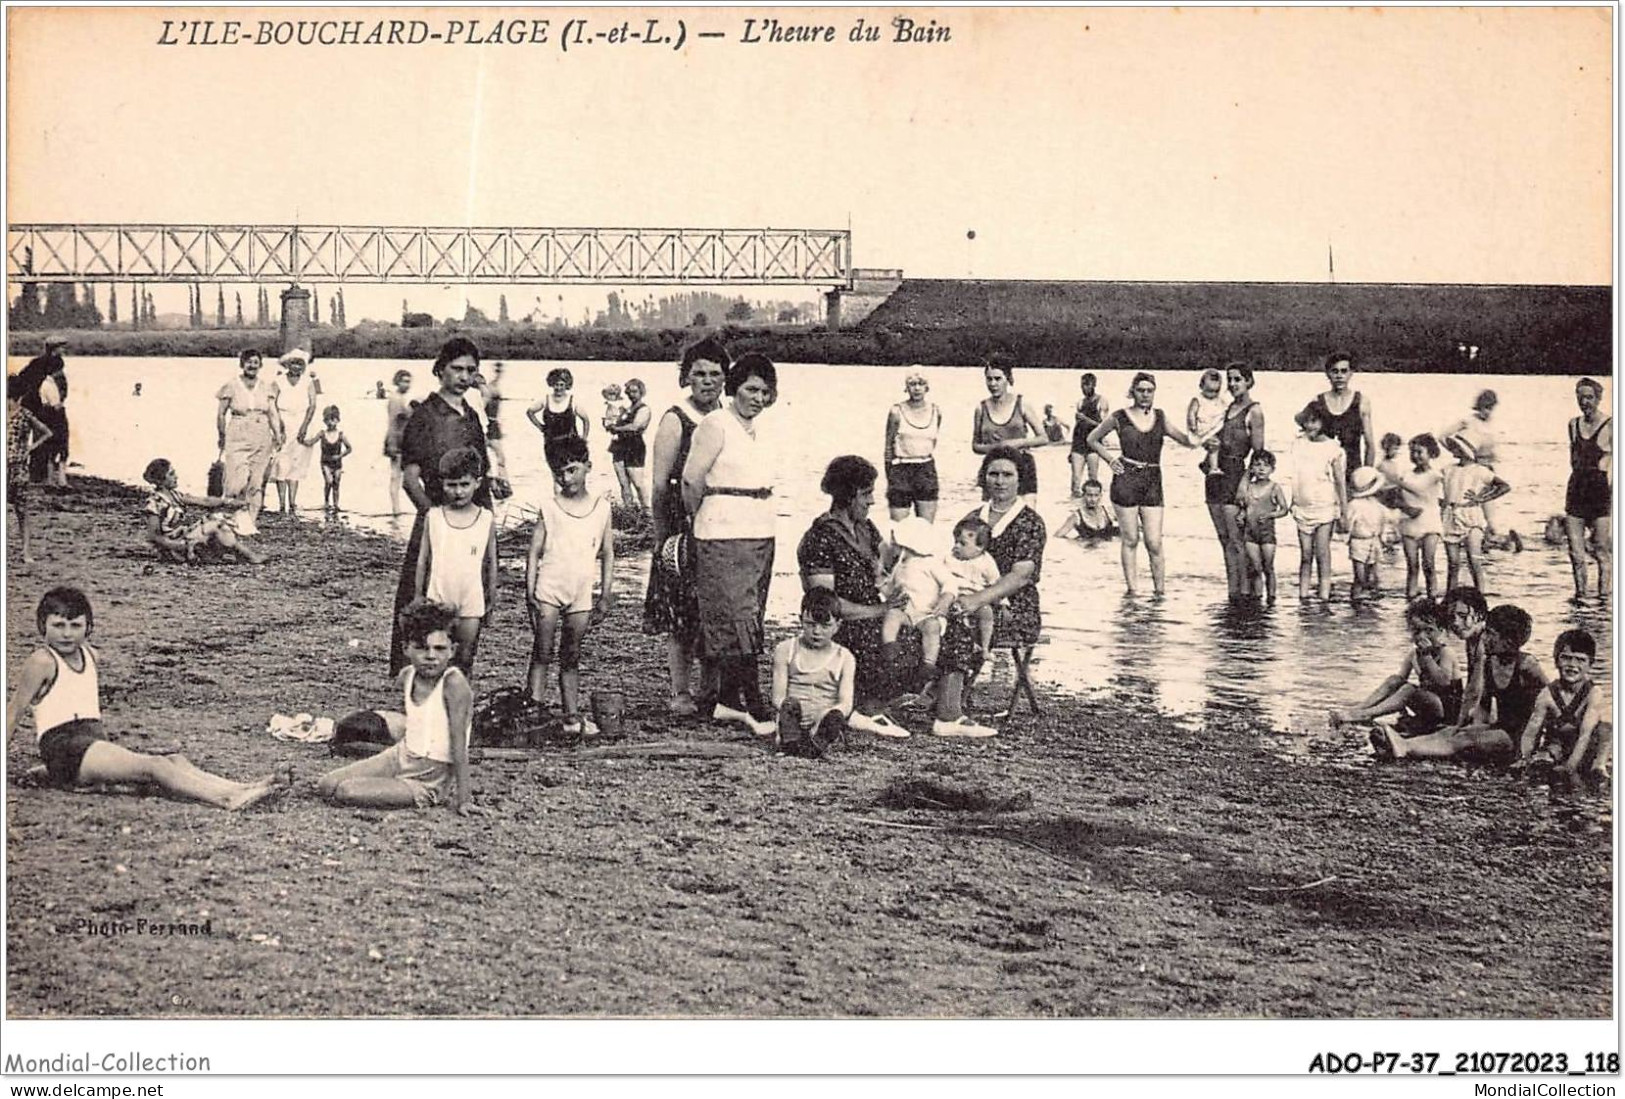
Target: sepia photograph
point(878, 516)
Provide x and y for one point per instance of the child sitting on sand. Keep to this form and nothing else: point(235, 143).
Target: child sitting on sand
point(814, 679)
point(1091, 520)
point(334, 449)
point(1205, 417)
point(60, 683)
point(572, 532)
point(1513, 682)
point(1434, 696)
point(457, 559)
point(1468, 486)
point(1566, 729)
point(177, 539)
point(432, 753)
point(1262, 502)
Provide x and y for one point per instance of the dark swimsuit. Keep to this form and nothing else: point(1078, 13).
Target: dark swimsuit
point(1562, 729)
point(333, 453)
point(1347, 429)
point(1588, 497)
point(627, 448)
point(1516, 701)
point(1088, 420)
point(1235, 449)
point(1140, 483)
point(989, 430)
point(557, 427)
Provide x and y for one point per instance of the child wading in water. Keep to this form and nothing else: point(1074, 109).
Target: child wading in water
point(335, 447)
point(25, 433)
point(814, 679)
point(179, 540)
point(1205, 417)
point(60, 683)
point(1319, 498)
point(1421, 495)
point(1566, 730)
point(1090, 520)
point(457, 561)
point(396, 413)
point(1467, 487)
point(1366, 517)
point(432, 753)
point(572, 535)
point(1432, 699)
point(1262, 502)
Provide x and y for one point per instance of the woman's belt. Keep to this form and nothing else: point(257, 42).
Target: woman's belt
point(913, 461)
point(726, 490)
point(248, 412)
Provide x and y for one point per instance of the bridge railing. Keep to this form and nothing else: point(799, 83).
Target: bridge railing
point(425, 254)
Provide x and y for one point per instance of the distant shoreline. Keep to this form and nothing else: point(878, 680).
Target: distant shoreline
point(1416, 329)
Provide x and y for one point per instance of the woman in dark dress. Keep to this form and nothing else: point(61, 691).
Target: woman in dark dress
point(1241, 433)
point(442, 422)
point(843, 551)
point(1137, 475)
point(1345, 414)
point(670, 606)
point(1017, 547)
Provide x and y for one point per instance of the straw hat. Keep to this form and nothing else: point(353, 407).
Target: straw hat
point(1366, 481)
point(295, 355)
point(914, 533)
point(55, 341)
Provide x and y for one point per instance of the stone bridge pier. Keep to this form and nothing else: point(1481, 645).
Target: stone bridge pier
point(846, 306)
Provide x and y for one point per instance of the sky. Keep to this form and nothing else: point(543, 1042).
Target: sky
point(1421, 145)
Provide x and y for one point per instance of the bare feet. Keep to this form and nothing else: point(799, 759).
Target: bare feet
point(1382, 743)
point(252, 794)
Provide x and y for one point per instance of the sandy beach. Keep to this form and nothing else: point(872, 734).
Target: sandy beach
point(1138, 867)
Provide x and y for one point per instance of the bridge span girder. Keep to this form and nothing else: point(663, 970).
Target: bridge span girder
point(426, 254)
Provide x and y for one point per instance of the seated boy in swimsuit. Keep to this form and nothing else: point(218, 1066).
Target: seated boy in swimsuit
point(1434, 696)
point(1566, 731)
point(432, 752)
point(59, 682)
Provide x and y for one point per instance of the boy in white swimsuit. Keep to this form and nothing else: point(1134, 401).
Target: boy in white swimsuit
point(572, 529)
point(457, 561)
point(60, 683)
point(432, 751)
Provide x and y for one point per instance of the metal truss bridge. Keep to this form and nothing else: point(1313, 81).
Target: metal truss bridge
point(426, 254)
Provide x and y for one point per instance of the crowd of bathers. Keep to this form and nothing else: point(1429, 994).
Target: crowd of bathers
point(886, 623)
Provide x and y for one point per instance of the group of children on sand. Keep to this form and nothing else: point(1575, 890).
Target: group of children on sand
point(1501, 706)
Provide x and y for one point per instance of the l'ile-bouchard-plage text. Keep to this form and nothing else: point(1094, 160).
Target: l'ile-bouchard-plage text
point(666, 33)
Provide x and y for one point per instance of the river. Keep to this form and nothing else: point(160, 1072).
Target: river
point(1189, 654)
